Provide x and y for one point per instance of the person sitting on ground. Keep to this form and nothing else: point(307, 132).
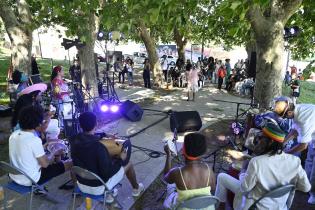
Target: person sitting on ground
point(89, 153)
point(193, 179)
point(26, 151)
point(269, 169)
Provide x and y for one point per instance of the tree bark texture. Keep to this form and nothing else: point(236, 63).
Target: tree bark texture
point(86, 56)
point(181, 42)
point(20, 34)
point(149, 43)
point(268, 32)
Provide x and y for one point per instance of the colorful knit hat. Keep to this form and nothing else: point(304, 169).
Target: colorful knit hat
point(273, 132)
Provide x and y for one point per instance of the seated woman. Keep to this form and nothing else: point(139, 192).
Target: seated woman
point(195, 178)
point(28, 96)
point(271, 168)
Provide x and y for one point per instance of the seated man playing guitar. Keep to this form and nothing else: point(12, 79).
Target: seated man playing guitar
point(106, 158)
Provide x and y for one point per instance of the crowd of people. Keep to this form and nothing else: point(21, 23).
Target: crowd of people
point(36, 147)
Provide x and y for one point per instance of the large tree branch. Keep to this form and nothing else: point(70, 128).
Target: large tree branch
point(7, 15)
point(256, 18)
point(24, 12)
point(284, 9)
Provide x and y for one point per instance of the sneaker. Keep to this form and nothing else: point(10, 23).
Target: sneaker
point(311, 199)
point(109, 199)
point(137, 192)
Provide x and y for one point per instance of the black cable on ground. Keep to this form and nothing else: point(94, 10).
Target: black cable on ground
point(145, 128)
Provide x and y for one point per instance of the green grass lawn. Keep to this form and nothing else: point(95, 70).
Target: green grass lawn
point(307, 92)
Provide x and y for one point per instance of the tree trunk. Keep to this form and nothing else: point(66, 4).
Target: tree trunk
point(181, 42)
point(20, 34)
point(86, 56)
point(270, 49)
point(149, 43)
point(268, 25)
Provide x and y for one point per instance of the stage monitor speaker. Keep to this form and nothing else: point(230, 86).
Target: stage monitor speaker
point(185, 121)
point(131, 111)
point(252, 65)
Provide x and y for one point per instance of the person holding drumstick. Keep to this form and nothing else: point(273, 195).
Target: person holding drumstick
point(108, 160)
point(269, 169)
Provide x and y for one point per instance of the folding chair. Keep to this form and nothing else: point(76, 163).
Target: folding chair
point(276, 193)
point(199, 202)
point(85, 174)
point(8, 168)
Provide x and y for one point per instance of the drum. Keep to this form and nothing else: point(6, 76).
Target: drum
point(116, 146)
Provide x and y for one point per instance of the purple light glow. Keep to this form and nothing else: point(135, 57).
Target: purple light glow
point(114, 108)
point(104, 108)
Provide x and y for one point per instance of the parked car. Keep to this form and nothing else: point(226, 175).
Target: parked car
point(139, 57)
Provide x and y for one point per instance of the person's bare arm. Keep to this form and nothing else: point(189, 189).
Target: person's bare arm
point(298, 148)
point(45, 160)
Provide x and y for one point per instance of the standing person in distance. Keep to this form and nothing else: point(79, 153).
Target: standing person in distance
point(118, 68)
point(129, 66)
point(146, 73)
point(221, 75)
point(215, 73)
point(192, 83)
point(211, 68)
point(295, 87)
point(164, 64)
point(35, 69)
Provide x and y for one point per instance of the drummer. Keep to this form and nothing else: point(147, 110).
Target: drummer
point(271, 167)
point(89, 153)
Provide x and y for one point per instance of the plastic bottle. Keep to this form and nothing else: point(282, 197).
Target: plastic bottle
point(88, 202)
point(1, 193)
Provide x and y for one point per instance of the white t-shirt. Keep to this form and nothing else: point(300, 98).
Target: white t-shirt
point(165, 64)
point(304, 119)
point(24, 148)
point(129, 68)
point(266, 172)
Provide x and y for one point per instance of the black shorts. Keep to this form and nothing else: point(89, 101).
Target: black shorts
point(50, 172)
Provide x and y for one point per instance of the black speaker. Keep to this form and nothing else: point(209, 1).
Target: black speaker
point(252, 65)
point(131, 111)
point(185, 121)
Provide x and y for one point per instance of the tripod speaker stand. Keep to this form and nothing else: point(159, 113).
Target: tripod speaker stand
point(106, 89)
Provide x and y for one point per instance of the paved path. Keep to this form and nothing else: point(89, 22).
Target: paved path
point(147, 169)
